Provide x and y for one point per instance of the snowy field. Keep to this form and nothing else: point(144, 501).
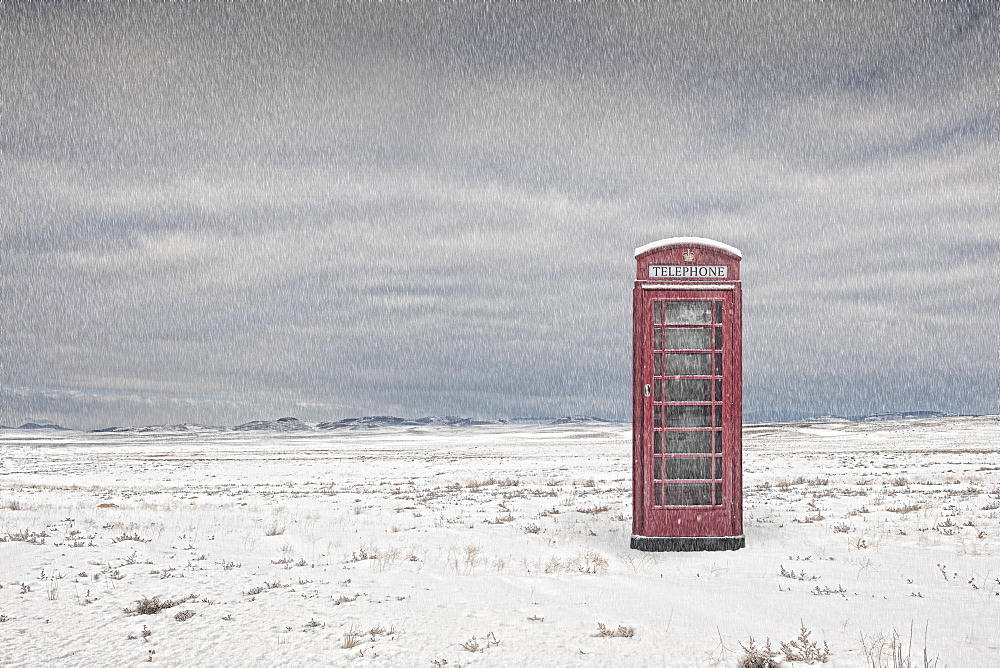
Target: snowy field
point(492, 545)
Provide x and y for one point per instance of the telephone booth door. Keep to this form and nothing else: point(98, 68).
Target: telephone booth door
point(688, 460)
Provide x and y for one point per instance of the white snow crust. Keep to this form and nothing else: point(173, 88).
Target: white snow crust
point(688, 240)
point(432, 541)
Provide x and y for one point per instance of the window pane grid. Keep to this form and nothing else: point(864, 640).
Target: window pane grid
point(687, 403)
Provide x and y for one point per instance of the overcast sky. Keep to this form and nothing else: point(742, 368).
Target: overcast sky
point(223, 213)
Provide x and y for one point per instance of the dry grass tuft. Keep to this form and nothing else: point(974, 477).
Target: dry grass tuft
point(620, 632)
point(275, 528)
point(883, 651)
point(352, 638)
point(913, 507)
point(473, 644)
point(151, 606)
point(590, 563)
point(593, 510)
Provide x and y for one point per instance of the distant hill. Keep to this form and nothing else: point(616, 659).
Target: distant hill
point(35, 425)
point(580, 419)
point(281, 424)
point(295, 424)
point(367, 422)
point(183, 427)
point(379, 421)
point(904, 415)
point(796, 416)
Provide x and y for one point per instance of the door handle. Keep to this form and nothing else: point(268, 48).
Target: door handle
point(645, 390)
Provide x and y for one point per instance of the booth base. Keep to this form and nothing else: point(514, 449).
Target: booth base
point(687, 544)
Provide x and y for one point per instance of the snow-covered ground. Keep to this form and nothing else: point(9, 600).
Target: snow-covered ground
point(489, 545)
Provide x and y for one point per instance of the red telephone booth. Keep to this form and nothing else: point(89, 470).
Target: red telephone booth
point(687, 397)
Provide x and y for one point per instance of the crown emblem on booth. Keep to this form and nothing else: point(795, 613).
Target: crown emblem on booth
point(688, 256)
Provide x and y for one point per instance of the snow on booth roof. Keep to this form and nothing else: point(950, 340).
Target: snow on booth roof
point(688, 240)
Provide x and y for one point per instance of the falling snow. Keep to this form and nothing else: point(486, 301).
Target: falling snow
point(221, 214)
point(282, 216)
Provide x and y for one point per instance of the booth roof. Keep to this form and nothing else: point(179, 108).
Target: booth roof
point(688, 241)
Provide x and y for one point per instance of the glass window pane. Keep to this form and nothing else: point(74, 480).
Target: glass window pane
point(657, 390)
point(658, 364)
point(658, 495)
point(688, 468)
point(688, 364)
point(687, 313)
point(718, 312)
point(688, 416)
point(687, 441)
point(657, 339)
point(686, 494)
point(657, 318)
point(657, 440)
point(718, 441)
point(657, 471)
point(718, 364)
point(718, 416)
point(657, 417)
point(718, 390)
point(688, 389)
point(718, 495)
point(689, 338)
point(718, 338)
point(718, 468)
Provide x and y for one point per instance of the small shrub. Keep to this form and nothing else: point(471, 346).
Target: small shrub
point(150, 606)
point(801, 575)
point(130, 536)
point(754, 657)
point(184, 615)
point(22, 535)
point(804, 649)
point(591, 562)
point(472, 554)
